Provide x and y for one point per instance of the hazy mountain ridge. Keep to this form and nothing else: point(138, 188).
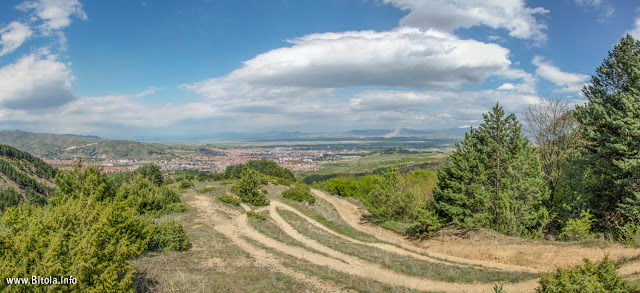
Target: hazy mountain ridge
point(70, 146)
point(65, 146)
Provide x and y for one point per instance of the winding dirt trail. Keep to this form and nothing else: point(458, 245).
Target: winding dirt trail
point(383, 246)
point(237, 227)
point(262, 258)
point(352, 215)
point(521, 256)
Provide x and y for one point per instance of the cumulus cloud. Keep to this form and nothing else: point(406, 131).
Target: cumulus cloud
point(55, 14)
point(512, 15)
point(404, 58)
point(12, 36)
point(570, 82)
point(35, 82)
point(324, 77)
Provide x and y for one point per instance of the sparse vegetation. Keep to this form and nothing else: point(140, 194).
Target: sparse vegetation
point(169, 235)
point(256, 215)
point(300, 192)
point(230, 199)
point(249, 189)
point(401, 263)
point(589, 277)
point(578, 229)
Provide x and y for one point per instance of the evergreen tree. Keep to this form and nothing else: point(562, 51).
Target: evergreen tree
point(493, 179)
point(153, 173)
point(611, 125)
point(249, 188)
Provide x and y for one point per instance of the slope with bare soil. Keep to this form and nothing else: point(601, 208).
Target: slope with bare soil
point(347, 257)
point(488, 248)
point(238, 227)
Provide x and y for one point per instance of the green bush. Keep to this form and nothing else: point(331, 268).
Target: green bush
point(169, 235)
point(249, 188)
point(282, 181)
point(300, 193)
point(230, 199)
point(184, 183)
point(578, 229)
point(146, 197)
point(206, 189)
point(227, 181)
point(590, 277)
point(262, 166)
point(87, 231)
point(389, 198)
point(428, 224)
point(629, 233)
point(256, 215)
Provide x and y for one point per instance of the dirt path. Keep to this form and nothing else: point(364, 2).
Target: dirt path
point(383, 246)
point(338, 261)
point(491, 251)
point(262, 258)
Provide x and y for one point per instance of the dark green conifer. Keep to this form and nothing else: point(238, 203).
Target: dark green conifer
point(611, 125)
point(493, 179)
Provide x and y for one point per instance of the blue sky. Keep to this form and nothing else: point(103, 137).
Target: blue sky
point(134, 69)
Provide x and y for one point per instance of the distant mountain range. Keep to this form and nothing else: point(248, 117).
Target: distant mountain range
point(69, 146)
point(352, 135)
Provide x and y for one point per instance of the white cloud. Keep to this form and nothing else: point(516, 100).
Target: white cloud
point(55, 14)
point(604, 8)
point(635, 32)
point(507, 87)
point(512, 15)
point(309, 84)
point(12, 36)
point(404, 58)
point(570, 82)
point(35, 82)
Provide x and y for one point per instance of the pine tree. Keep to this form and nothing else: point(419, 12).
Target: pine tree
point(493, 179)
point(611, 125)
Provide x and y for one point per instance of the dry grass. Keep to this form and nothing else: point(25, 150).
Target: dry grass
point(213, 264)
point(348, 281)
point(401, 263)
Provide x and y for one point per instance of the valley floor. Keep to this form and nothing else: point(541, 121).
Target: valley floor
point(328, 247)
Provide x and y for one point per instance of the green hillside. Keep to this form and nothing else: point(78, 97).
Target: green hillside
point(23, 177)
point(63, 146)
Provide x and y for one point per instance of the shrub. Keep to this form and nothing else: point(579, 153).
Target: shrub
point(169, 235)
point(578, 229)
point(184, 183)
point(256, 215)
point(206, 189)
point(230, 199)
point(300, 193)
point(428, 223)
point(629, 233)
point(590, 277)
point(282, 181)
point(248, 188)
point(227, 181)
point(147, 197)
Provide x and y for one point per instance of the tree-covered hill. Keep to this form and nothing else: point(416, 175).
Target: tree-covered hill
point(23, 177)
point(66, 146)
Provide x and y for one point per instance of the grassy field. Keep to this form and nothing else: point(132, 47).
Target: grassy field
point(367, 163)
point(231, 252)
